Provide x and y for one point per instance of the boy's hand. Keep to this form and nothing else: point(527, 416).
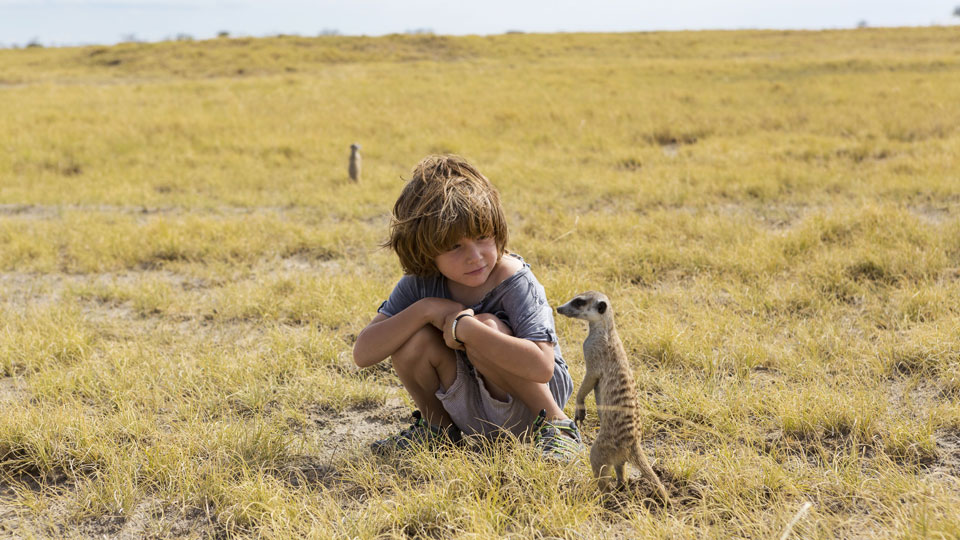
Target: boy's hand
point(441, 309)
point(448, 328)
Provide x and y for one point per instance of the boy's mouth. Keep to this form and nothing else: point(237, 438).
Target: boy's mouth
point(477, 272)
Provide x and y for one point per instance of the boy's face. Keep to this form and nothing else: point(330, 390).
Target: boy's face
point(470, 261)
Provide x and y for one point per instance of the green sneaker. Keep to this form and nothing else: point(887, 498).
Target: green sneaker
point(420, 434)
point(557, 439)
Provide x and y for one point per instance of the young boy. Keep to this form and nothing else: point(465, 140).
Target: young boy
point(468, 327)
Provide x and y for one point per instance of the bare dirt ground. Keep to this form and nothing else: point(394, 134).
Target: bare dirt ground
point(150, 519)
point(359, 427)
point(9, 390)
point(948, 455)
point(11, 523)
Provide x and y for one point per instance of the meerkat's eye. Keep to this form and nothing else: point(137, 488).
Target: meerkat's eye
point(578, 302)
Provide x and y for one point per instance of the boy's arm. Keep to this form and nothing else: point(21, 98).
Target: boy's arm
point(531, 360)
point(384, 335)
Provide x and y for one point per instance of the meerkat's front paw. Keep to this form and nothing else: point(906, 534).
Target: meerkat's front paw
point(579, 414)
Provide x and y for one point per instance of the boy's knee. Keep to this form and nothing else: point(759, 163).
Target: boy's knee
point(494, 322)
point(421, 344)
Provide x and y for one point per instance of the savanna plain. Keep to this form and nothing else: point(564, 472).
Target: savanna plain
point(184, 266)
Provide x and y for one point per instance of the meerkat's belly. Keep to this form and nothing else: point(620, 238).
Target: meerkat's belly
point(617, 409)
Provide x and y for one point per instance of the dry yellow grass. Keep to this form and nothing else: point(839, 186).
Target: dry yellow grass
point(184, 266)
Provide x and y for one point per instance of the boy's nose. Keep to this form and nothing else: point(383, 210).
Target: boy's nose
point(472, 252)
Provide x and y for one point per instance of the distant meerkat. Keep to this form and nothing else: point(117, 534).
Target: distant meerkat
point(354, 168)
point(609, 376)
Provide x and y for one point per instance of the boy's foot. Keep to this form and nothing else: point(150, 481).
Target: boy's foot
point(556, 439)
point(420, 434)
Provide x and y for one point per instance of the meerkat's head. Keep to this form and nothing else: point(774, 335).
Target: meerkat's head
point(354, 147)
point(589, 306)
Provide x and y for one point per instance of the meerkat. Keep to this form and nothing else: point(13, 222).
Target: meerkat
point(610, 378)
point(354, 168)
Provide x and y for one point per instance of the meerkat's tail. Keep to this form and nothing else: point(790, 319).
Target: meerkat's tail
point(639, 459)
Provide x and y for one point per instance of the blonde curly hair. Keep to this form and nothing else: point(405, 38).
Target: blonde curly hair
point(446, 199)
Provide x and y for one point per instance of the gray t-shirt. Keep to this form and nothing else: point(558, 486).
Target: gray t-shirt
point(519, 301)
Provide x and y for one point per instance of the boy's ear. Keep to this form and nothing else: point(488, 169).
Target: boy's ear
point(601, 307)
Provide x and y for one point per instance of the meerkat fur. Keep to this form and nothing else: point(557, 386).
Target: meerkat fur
point(610, 378)
point(354, 167)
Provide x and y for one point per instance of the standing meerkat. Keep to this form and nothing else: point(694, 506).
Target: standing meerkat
point(609, 376)
point(354, 168)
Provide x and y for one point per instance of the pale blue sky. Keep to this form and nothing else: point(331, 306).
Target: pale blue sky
point(74, 22)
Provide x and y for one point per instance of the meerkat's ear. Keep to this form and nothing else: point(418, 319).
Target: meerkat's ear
point(601, 307)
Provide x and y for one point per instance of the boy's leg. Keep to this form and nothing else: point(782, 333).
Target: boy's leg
point(553, 432)
point(424, 363)
point(535, 395)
